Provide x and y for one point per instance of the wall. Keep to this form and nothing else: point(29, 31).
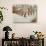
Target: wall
point(25, 29)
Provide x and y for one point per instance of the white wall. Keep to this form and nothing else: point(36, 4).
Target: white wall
point(24, 29)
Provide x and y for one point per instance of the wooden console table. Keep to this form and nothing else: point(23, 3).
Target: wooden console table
point(24, 42)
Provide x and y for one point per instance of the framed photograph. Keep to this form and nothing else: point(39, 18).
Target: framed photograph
point(23, 13)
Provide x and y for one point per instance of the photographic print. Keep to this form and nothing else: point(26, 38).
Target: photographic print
point(24, 13)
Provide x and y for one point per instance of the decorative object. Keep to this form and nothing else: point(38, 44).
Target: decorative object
point(39, 34)
point(24, 13)
point(32, 37)
point(7, 28)
point(1, 15)
point(13, 36)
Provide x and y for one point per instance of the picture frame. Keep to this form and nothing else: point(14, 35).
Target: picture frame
point(24, 13)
